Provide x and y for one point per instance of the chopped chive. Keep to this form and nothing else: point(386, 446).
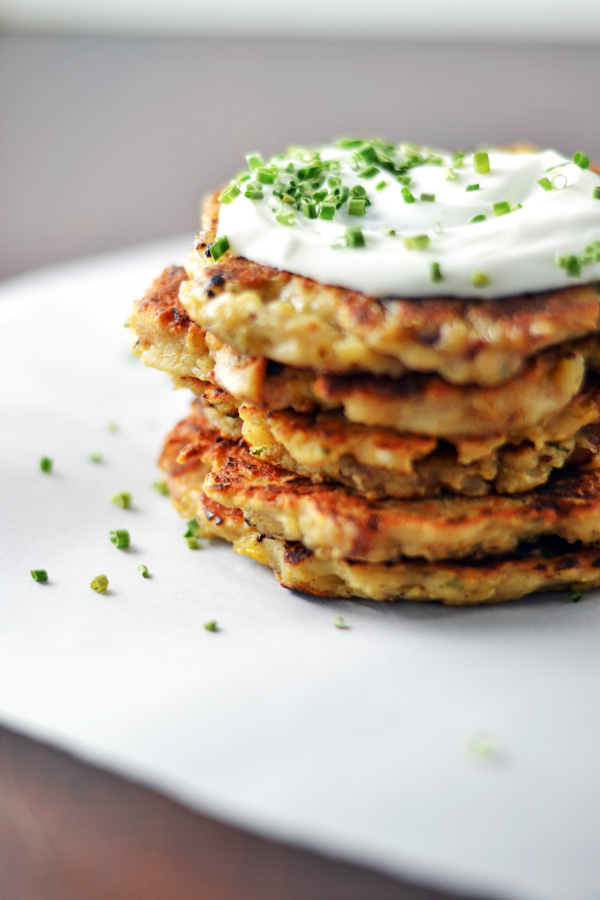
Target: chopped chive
point(427, 198)
point(319, 196)
point(559, 182)
point(192, 543)
point(308, 207)
point(99, 584)
point(574, 596)
point(417, 242)
point(327, 210)
point(404, 179)
point(408, 197)
point(479, 218)
point(381, 185)
point(161, 487)
point(39, 574)
point(46, 464)
point(356, 206)
point(122, 499)
point(435, 273)
point(581, 160)
point(481, 162)
point(113, 427)
point(388, 231)
point(354, 237)
point(450, 175)
point(545, 183)
point(369, 172)
point(338, 622)
point(95, 457)
point(571, 264)
point(264, 175)
point(501, 208)
point(472, 187)
point(220, 246)
point(479, 279)
point(120, 538)
point(459, 159)
point(349, 143)
point(254, 160)
point(286, 218)
point(143, 570)
point(367, 154)
point(483, 747)
point(358, 191)
point(229, 194)
point(597, 193)
point(211, 625)
point(192, 529)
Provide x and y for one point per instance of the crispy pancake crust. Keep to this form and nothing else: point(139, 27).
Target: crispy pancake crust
point(548, 565)
point(420, 404)
point(263, 311)
point(338, 524)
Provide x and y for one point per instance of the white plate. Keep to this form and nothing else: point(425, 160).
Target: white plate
point(353, 741)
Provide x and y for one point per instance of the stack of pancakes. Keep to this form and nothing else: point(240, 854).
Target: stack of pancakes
point(441, 449)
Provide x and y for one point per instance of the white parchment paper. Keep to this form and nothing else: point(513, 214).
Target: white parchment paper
point(351, 741)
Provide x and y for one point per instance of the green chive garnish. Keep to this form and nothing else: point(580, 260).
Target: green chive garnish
point(192, 543)
point(479, 218)
point(220, 246)
point(264, 175)
point(408, 197)
point(427, 198)
point(120, 538)
point(388, 231)
point(338, 622)
point(45, 464)
point(122, 499)
point(39, 574)
point(254, 160)
point(481, 163)
point(597, 193)
point(574, 596)
point(211, 625)
point(354, 237)
point(95, 457)
point(113, 427)
point(308, 207)
point(581, 160)
point(417, 242)
point(545, 183)
point(501, 208)
point(381, 185)
point(450, 175)
point(253, 194)
point(435, 273)
point(472, 187)
point(369, 172)
point(161, 488)
point(192, 529)
point(327, 210)
point(479, 279)
point(286, 218)
point(229, 194)
point(571, 264)
point(356, 206)
point(143, 570)
point(99, 584)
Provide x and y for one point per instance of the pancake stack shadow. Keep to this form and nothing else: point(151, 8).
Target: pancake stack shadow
point(386, 449)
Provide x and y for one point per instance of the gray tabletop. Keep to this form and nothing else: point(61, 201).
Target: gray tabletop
point(108, 142)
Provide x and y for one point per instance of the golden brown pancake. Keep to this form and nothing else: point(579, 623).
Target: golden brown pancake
point(549, 564)
point(339, 524)
point(264, 312)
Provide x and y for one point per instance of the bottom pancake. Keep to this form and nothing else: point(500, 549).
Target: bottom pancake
point(549, 564)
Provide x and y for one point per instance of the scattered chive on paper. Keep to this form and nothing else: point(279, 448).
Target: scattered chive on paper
point(545, 183)
point(480, 218)
point(120, 538)
point(581, 160)
point(472, 187)
point(46, 464)
point(427, 198)
point(354, 237)
point(122, 499)
point(597, 192)
point(99, 584)
point(211, 625)
point(95, 457)
point(161, 487)
point(339, 622)
point(501, 208)
point(143, 570)
point(417, 242)
point(39, 574)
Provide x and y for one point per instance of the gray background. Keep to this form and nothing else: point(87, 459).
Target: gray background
point(107, 142)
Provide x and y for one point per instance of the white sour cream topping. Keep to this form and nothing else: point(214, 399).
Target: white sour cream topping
point(517, 252)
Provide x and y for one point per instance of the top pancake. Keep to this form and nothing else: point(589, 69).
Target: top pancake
point(266, 312)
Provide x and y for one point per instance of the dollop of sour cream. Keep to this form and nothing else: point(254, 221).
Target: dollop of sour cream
point(550, 238)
